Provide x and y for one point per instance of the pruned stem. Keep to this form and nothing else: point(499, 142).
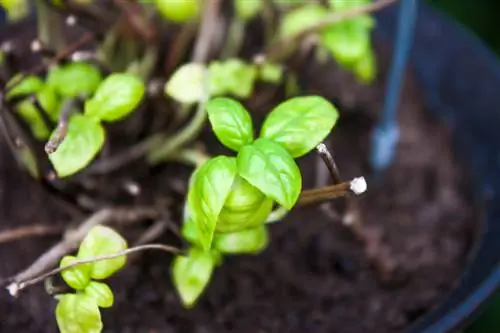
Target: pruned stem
point(327, 157)
point(15, 287)
point(62, 127)
point(356, 186)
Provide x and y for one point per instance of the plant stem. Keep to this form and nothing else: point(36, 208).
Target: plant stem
point(62, 126)
point(15, 234)
point(327, 157)
point(15, 287)
point(234, 39)
point(356, 186)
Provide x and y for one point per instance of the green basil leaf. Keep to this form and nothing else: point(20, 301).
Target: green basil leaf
point(78, 314)
point(77, 277)
point(100, 241)
point(366, 68)
point(191, 274)
point(298, 20)
point(231, 122)
point(270, 168)
point(210, 188)
point(270, 72)
point(247, 10)
point(245, 207)
point(101, 293)
point(74, 79)
point(232, 77)
point(187, 85)
point(30, 114)
point(82, 143)
point(300, 123)
point(178, 11)
point(347, 42)
point(27, 86)
point(116, 97)
point(49, 102)
point(252, 241)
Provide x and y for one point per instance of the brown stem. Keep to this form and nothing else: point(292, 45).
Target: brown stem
point(15, 287)
point(62, 127)
point(354, 187)
point(327, 157)
point(33, 230)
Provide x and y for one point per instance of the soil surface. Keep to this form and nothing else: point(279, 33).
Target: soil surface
point(376, 266)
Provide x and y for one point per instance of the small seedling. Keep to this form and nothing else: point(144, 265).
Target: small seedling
point(230, 198)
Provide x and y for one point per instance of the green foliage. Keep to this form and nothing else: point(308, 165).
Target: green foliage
point(300, 124)
point(191, 274)
point(230, 199)
point(79, 312)
point(270, 72)
point(247, 10)
point(29, 85)
point(348, 41)
point(116, 97)
point(74, 79)
point(232, 123)
point(83, 141)
point(178, 11)
point(232, 77)
point(186, 85)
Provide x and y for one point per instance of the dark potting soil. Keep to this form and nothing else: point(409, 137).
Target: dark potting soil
point(392, 256)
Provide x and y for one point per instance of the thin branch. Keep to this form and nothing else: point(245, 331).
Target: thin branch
point(72, 240)
point(356, 186)
point(206, 31)
point(276, 49)
point(15, 287)
point(33, 230)
point(327, 157)
point(62, 127)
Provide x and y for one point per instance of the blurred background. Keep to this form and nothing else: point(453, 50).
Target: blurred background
point(482, 17)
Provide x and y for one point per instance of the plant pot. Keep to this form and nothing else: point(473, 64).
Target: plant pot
point(459, 76)
point(144, 305)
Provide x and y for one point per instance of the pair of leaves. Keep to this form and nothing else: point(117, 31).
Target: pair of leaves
point(79, 312)
point(99, 241)
point(191, 82)
point(115, 98)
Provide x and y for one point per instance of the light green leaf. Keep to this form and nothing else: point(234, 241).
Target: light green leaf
point(366, 68)
point(101, 293)
point(270, 168)
point(178, 11)
point(231, 122)
point(347, 41)
point(187, 85)
point(78, 314)
point(27, 86)
point(252, 241)
point(100, 241)
point(232, 77)
point(247, 10)
point(189, 231)
point(49, 102)
point(298, 20)
point(74, 79)
point(82, 143)
point(300, 123)
point(211, 186)
point(245, 207)
point(191, 274)
point(77, 277)
point(116, 97)
point(270, 72)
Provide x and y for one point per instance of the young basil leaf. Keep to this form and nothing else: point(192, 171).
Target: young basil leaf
point(101, 293)
point(178, 11)
point(77, 277)
point(74, 79)
point(251, 241)
point(211, 186)
point(186, 85)
point(270, 168)
point(245, 207)
point(189, 231)
point(191, 274)
point(270, 72)
point(29, 85)
point(300, 123)
point(116, 97)
point(77, 313)
point(232, 77)
point(247, 10)
point(99, 241)
point(231, 122)
point(83, 141)
point(298, 20)
point(347, 42)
